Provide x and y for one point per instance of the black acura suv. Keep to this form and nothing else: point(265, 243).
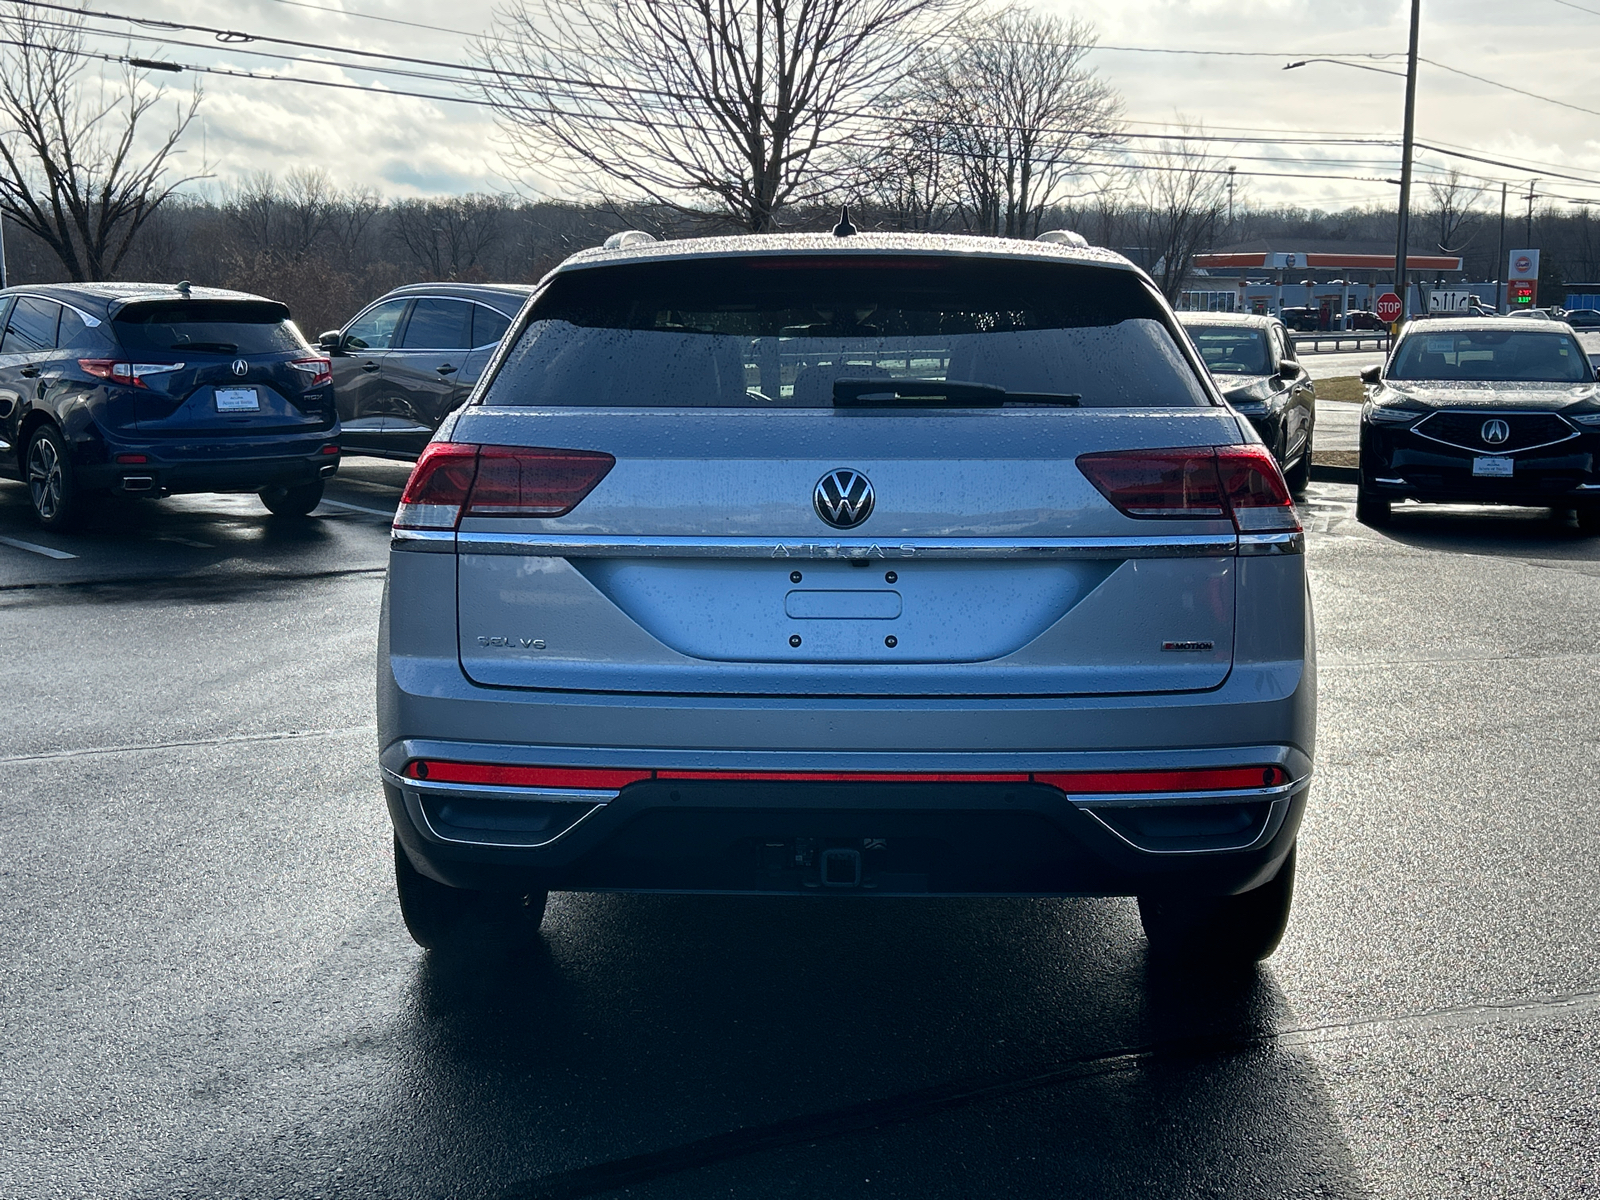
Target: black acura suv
point(150, 389)
point(1486, 410)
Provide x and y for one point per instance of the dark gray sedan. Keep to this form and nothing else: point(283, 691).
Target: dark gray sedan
point(1253, 362)
point(411, 358)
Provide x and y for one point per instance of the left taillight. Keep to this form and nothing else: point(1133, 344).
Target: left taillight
point(320, 370)
point(452, 480)
point(130, 374)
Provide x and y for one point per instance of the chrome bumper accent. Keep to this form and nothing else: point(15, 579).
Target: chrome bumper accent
point(1272, 543)
point(1250, 839)
point(432, 541)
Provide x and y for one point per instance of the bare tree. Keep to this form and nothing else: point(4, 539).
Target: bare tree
point(447, 237)
point(1182, 194)
point(1452, 206)
point(72, 171)
point(731, 106)
point(1018, 113)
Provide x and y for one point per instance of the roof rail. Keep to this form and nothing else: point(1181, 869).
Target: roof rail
point(628, 237)
point(1063, 237)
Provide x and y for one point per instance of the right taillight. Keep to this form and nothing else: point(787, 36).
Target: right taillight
point(1196, 483)
point(452, 480)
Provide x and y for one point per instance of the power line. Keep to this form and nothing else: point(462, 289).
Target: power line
point(1593, 112)
point(350, 12)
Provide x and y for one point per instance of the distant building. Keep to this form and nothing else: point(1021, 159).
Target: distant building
point(1328, 276)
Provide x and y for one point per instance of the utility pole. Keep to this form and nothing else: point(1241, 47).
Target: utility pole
point(1500, 271)
point(1231, 171)
point(1404, 233)
point(1530, 196)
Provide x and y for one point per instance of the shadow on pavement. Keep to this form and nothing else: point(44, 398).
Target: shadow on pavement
point(684, 1046)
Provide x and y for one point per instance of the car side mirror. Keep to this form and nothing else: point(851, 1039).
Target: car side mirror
point(1372, 375)
point(1288, 369)
point(1597, 371)
point(331, 340)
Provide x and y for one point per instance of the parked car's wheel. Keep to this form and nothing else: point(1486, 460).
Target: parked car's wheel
point(1370, 509)
point(294, 501)
point(1298, 477)
point(1221, 930)
point(58, 500)
point(1589, 518)
point(440, 917)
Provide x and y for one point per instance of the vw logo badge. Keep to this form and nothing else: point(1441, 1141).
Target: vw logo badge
point(240, 367)
point(1495, 432)
point(843, 498)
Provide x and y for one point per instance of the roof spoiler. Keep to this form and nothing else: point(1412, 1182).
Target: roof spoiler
point(1064, 237)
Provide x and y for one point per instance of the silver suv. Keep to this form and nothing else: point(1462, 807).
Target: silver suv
point(873, 565)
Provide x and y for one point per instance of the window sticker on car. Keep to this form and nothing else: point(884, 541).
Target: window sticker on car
point(1441, 345)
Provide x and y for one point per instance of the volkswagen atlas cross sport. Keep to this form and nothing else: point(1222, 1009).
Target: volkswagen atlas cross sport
point(877, 565)
point(133, 389)
point(1486, 410)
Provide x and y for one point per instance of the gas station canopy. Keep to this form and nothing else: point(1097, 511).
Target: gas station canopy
point(1256, 260)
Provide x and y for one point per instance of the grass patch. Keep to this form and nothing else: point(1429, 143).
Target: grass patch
point(1346, 387)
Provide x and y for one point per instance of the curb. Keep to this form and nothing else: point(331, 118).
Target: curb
point(1325, 474)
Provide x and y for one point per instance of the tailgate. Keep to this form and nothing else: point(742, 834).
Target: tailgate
point(988, 565)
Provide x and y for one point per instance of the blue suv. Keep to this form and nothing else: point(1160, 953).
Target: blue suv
point(150, 389)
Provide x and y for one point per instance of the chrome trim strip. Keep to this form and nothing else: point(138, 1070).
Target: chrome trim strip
point(1482, 453)
point(1280, 791)
point(1589, 487)
point(1272, 543)
point(433, 541)
point(555, 545)
point(499, 791)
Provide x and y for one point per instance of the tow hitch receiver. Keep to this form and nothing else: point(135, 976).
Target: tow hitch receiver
point(841, 868)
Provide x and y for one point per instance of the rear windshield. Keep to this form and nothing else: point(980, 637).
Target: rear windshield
point(1492, 355)
point(207, 327)
point(771, 332)
point(1230, 350)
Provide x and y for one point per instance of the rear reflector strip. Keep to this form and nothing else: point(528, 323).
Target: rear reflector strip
point(1072, 782)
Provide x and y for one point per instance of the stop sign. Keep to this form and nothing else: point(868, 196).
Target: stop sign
point(1388, 308)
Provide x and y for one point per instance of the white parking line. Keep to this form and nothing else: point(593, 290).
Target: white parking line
point(376, 512)
point(47, 551)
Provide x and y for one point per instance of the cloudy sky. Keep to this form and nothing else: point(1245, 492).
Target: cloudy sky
point(404, 146)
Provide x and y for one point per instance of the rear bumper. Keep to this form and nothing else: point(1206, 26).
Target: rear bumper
point(166, 475)
point(883, 839)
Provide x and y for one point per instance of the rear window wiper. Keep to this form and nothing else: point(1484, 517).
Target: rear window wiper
point(218, 347)
point(939, 393)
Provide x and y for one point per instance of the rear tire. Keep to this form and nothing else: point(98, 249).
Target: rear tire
point(294, 501)
point(1371, 510)
point(443, 918)
point(58, 500)
point(1226, 931)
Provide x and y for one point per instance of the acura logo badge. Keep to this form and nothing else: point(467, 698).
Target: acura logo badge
point(843, 498)
point(1495, 432)
point(240, 367)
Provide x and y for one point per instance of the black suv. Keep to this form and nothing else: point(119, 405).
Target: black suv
point(151, 389)
point(410, 358)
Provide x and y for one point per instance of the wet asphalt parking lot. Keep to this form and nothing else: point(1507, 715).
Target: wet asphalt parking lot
point(208, 990)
